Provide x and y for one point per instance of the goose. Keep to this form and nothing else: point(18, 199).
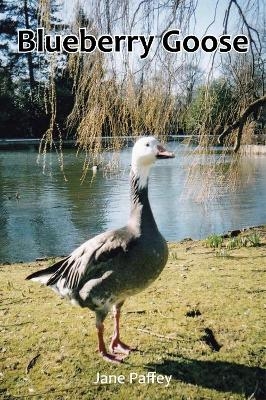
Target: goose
point(95, 168)
point(105, 270)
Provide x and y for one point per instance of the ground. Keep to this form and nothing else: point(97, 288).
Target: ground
point(202, 321)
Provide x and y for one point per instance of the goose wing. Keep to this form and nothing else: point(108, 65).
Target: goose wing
point(91, 256)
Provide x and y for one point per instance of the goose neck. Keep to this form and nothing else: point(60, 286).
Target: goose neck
point(141, 215)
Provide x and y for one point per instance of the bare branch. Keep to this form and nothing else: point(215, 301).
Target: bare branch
point(240, 122)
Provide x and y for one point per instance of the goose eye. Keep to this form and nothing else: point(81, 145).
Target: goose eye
point(147, 144)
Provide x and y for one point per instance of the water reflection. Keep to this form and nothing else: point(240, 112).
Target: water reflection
point(52, 216)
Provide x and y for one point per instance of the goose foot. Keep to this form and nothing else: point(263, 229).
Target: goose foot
point(117, 346)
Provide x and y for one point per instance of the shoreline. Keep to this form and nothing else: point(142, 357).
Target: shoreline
point(34, 143)
point(227, 235)
point(27, 143)
point(253, 149)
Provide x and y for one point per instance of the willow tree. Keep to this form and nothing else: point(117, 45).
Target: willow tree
point(122, 94)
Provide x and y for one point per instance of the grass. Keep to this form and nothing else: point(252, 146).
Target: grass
point(48, 346)
point(217, 242)
point(214, 241)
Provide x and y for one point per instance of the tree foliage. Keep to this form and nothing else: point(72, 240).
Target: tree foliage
point(24, 98)
point(211, 106)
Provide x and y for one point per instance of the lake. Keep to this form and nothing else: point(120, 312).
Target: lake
point(50, 217)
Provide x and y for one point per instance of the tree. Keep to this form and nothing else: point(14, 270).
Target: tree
point(211, 107)
point(18, 14)
point(8, 109)
point(238, 124)
point(28, 72)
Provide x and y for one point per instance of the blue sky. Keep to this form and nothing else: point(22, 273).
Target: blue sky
point(204, 14)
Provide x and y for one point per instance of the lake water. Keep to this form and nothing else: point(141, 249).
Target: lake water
point(52, 216)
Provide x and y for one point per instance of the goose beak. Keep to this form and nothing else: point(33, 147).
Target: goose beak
point(163, 153)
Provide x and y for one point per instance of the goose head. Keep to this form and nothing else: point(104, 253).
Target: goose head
point(145, 152)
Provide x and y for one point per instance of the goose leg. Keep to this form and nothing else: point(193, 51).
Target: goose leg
point(101, 345)
point(117, 346)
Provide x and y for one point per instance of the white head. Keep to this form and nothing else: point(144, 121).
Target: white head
point(145, 152)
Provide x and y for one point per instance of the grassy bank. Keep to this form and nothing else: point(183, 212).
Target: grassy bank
point(202, 321)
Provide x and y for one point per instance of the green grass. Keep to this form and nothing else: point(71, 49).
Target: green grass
point(254, 239)
point(251, 240)
point(214, 241)
point(197, 290)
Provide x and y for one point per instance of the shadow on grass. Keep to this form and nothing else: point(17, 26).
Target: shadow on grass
point(218, 375)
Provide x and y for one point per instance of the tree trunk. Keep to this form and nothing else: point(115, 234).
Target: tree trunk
point(240, 122)
point(29, 55)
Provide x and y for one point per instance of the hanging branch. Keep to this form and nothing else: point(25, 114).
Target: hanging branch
point(251, 31)
point(240, 122)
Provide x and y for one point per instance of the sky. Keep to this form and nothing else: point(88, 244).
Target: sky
point(205, 13)
point(208, 19)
